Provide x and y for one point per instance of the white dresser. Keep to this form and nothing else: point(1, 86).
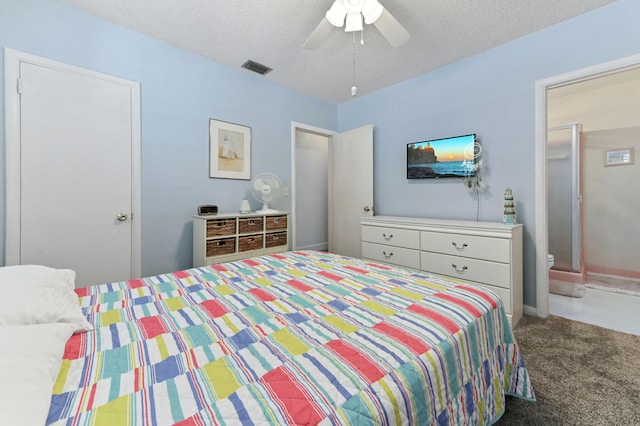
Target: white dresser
point(486, 253)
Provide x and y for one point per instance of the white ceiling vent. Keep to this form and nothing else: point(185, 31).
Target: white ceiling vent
point(256, 67)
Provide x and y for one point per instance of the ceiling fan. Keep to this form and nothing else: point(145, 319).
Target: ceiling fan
point(351, 13)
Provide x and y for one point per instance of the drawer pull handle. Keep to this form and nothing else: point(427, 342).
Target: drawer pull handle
point(387, 238)
point(464, 268)
point(462, 247)
point(387, 255)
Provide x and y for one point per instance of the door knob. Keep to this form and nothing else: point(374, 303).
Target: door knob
point(122, 217)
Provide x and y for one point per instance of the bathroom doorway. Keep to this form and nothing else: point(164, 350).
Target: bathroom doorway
point(544, 90)
point(590, 165)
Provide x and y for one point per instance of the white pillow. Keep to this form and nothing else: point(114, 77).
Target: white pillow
point(30, 361)
point(35, 294)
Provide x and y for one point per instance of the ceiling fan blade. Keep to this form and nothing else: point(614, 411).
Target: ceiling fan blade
point(319, 35)
point(391, 29)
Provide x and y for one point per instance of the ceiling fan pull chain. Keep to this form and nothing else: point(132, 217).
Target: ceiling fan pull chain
point(354, 88)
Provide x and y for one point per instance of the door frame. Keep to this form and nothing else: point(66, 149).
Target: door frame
point(295, 126)
point(12, 60)
point(541, 219)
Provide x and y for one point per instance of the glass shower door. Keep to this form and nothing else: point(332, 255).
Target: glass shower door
point(564, 196)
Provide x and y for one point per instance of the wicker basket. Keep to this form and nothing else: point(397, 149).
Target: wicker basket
point(250, 224)
point(221, 246)
point(250, 242)
point(276, 239)
point(219, 227)
point(276, 222)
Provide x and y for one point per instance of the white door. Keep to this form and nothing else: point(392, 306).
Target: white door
point(351, 186)
point(78, 180)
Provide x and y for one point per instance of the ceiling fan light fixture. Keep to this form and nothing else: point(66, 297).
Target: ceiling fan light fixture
point(353, 15)
point(354, 22)
point(336, 14)
point(352, 6)
point(371, 10)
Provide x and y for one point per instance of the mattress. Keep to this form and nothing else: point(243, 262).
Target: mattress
point(300, 337)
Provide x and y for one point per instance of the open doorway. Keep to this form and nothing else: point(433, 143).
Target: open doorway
point(347, 170)
point(310, 193)
point(599, 254)
point(310, 202)
point(570, 81)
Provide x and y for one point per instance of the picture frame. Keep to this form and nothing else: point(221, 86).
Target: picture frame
point(229, 150)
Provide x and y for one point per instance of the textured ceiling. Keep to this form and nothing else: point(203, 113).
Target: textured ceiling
point(272, 32)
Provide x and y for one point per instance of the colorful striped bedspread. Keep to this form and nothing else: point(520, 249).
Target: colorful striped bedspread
point(293, 338)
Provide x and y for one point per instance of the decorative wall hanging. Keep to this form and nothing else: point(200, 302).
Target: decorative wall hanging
point(474, 182)
point(229, 150)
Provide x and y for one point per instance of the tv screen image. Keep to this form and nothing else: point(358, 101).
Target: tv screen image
point(438, 158)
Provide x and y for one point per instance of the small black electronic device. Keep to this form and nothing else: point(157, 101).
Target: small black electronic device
point(207, 210)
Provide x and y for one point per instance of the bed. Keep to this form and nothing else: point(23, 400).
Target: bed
point(301, 337)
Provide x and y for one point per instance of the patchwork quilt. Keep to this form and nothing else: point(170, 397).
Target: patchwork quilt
point(298, 338)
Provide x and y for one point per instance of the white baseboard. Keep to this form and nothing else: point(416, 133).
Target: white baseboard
point(319, 246)
point(530, 310)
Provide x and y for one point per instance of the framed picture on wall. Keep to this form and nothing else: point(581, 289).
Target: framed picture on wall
point(229, 150)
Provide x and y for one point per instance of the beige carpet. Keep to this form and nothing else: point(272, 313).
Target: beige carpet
point(582, 375)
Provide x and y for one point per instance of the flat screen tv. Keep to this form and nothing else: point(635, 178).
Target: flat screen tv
point(442, 158)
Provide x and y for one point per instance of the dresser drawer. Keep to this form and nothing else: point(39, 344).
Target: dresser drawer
point(486, 248)
point(407, 238)
point(503, 293)
point(492, 273)
point(249, 225)
point(276, 222)
point(250, 242)
point(389, 254)
point(221, 246)
point(218, 227)
point(275, 239)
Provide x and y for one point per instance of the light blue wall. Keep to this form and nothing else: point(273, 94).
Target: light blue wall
point(180, 92)
point(491, 94)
